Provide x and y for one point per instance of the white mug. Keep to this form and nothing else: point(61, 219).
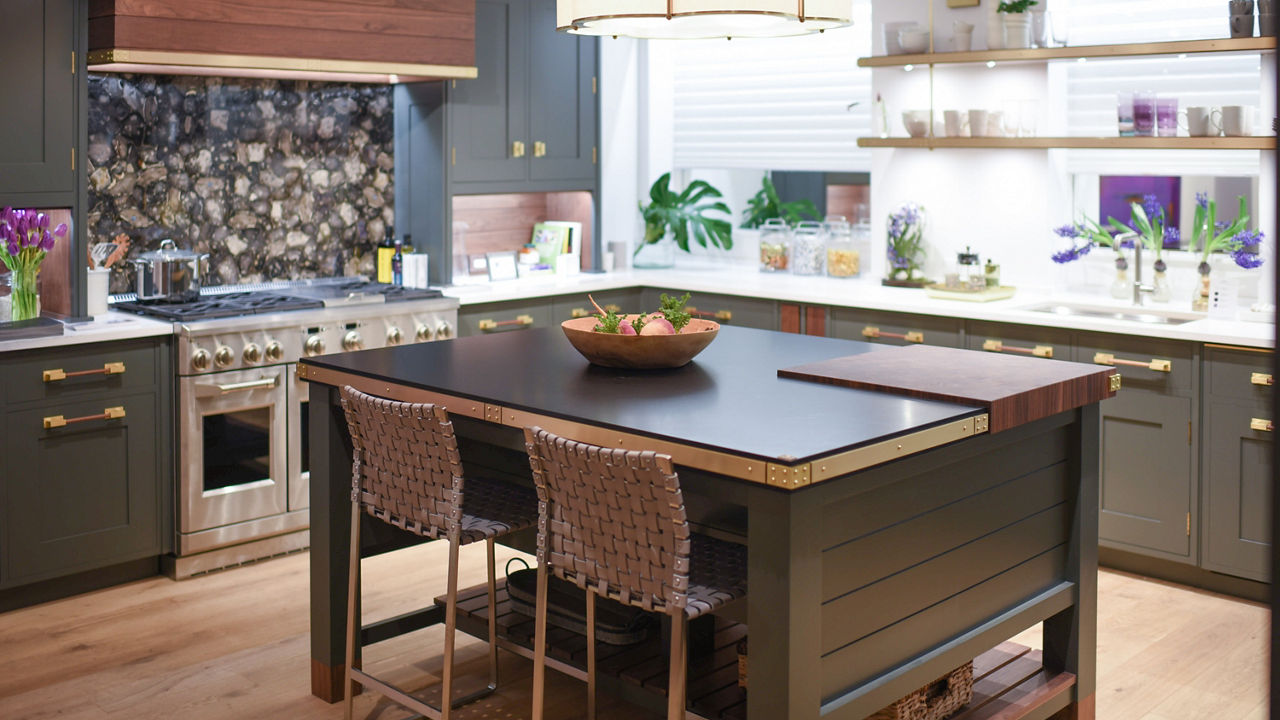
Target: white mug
point(1203, 121)
point(978, 122)
point(995, 124)
point(962, 36)
point(1237, 120)
point(955, 123)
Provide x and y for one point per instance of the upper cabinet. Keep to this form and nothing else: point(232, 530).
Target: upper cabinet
point(37, 147)
point(528, 122)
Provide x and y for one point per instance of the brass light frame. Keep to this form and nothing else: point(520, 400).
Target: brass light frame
point(569, 19)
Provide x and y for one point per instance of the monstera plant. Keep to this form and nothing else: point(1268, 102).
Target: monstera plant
point(685, 216)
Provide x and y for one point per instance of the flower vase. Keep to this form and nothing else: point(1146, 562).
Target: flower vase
point(25, 297)
point(1200, 296)
point(1122, 286)
point(1160, 289)
point(655, 255)
point(1017, 30)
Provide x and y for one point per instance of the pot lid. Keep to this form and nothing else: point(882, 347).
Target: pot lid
point(169, 251)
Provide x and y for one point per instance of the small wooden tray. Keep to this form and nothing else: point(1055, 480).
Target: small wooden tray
point(942, 292)
point(1014, 389)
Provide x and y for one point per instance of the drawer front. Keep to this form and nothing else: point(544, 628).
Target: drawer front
point(567, 307)
point(890, 328)
point(1239, 374)
point(1145, 364)
point(493, 318)
point(80, 370)
point(1024, 340)
point(724, 309)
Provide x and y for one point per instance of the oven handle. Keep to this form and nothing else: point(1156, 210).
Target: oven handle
point(240, 386)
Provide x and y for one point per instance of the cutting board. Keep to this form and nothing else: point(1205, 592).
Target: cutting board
point(1014, 389)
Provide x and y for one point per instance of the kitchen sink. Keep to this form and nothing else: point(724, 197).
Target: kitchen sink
point(1132, 314)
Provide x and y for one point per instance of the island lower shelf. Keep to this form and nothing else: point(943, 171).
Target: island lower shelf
point(1009, 681)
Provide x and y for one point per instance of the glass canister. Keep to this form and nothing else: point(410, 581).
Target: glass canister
point(843, 259)
point(969, 269)
point(808, 249)
point(775, 246)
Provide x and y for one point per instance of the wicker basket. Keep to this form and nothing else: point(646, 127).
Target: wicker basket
point(935, 701)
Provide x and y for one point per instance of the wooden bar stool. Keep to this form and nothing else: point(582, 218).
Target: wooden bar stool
point(407, 473)
point(613, 522)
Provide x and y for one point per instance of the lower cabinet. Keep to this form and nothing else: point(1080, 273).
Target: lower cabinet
point(891, 328)
point(514, 316)
point(568, 307)
point(724, 309)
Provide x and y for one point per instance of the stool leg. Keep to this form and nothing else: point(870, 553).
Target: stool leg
point(353, 622)
point(450, 627)
point(540, 642)
point(591, 655)
point(679, 660)
point(493, 620)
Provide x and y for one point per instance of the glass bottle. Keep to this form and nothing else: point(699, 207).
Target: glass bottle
point(969, 270)
point(386, 249)
point(775, 246)
point(1161, 291)
point(842, 257)
point(808, 249)
point(1122, 286)
point(1200, 296)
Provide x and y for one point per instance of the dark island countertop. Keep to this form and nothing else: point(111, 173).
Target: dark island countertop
point(728, 399)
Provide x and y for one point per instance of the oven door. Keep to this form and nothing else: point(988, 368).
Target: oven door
point(233, 447)
point(299, 442)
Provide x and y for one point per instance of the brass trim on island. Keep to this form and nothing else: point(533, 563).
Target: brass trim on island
point(883, 452)
point(293, 68)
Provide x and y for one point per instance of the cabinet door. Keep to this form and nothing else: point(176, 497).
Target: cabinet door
point(83, 495)
point(562, 99)
point(1237, 490)
point(891, 328)
point(487, 114)
point(1025, 340)
point(38, 111)
point(500, 317)
point(627, 300)
point(1146, 474)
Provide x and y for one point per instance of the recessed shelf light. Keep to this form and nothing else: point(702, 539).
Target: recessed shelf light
point(991, 63)
point(908, 68)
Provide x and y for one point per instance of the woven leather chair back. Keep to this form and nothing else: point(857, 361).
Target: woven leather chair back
point(612, 520)
point(407, 471)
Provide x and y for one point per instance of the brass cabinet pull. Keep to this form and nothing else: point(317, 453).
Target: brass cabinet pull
point(539, 148)
point(1163, 366)
point(1261, 379)
point(517, 149)
point(578, 313)
point(721, 315)
point(1040, 351)
point(613, 308)
point(583, 312)
point(875, 332)
point(57, 421)
point(521, 320)
point(1260, 424)
point(111, 368)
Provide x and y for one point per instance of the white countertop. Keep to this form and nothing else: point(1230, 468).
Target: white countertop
point(112, 326)
point(868, 293)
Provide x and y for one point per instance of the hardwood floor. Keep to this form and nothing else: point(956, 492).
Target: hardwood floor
point(234, 645)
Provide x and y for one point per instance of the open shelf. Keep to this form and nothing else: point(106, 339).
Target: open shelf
point(1009, 681)
point(1044, 143)
point(1220, 45)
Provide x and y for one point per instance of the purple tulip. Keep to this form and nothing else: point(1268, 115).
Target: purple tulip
point(61, 230)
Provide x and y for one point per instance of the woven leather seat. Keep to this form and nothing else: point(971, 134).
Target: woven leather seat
point(407, 472)
point(613, 522)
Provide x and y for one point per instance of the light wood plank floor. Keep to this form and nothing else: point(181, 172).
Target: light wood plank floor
point(234, 645)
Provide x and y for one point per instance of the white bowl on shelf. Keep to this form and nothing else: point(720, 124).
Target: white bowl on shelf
point(916, 122)
point(913, 40)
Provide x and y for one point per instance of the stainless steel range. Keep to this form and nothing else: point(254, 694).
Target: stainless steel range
point(243, 490)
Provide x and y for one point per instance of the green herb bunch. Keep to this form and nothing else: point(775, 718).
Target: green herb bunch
point(1016, 6)
point(673, 310)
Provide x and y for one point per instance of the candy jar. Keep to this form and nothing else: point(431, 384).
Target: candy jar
point(775, 246)
point(842, 257)
point(808, 249)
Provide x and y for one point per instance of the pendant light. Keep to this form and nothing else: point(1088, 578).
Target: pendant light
point(696, 19)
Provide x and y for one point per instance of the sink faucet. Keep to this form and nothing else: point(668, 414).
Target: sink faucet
point(1138, 287)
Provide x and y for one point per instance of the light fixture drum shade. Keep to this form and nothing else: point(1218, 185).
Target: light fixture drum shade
point(692, 19)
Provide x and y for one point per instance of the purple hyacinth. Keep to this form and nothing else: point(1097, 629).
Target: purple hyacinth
point(1202, 199)
point(1152, 207)
point(1172, 238)
point(1067, 231)
point(1072, 254)
point(1246, 259)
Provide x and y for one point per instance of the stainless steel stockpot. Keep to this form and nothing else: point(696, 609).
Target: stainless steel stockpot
point(169, 274)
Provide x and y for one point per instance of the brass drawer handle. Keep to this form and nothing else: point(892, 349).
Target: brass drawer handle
point(1260, 424)
point(539, 148)
point(576, 313)
point(517, 149)
point(875, 332)
point(57, 421)
point(111, 368)
point(1261, 379)
point(721, 315)
point(1163, 366)
point(521, 320)
point(1040, 351)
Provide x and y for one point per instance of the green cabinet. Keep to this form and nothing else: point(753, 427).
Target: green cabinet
point(1236, 477)
point(88, 467)
point(627, 300)
point(892, 328)
point(499, 317)
point(724, 309)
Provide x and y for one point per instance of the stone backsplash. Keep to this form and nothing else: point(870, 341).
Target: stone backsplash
point(275, 179)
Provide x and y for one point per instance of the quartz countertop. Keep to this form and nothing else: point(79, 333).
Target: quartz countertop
point(112, 326)
point(868, 293)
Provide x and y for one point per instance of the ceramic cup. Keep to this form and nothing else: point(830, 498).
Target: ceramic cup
point(1167, 117)
point(1237, 120)
point(96, 292)
point(955, 123)
point(962, 36)
point(1242, 26)
point(1124, 114)
point(978, 120)
point(1144, 114)
point(891, 30)
point(916, 122)
point(1203, 121)
point(1266, 25)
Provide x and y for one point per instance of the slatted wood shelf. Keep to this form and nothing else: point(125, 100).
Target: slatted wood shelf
point(1218, 45)
point(1045, 143)
point(1009, 681)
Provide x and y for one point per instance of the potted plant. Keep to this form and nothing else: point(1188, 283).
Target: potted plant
point(1095, 235)
point(766, 205)
point(1148, 220)
point(25, 238)
point(1017, 22)
point(671, 219)
point(1211, 236)
point(905, 251)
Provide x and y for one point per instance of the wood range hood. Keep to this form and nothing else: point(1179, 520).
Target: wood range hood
point(368, 41)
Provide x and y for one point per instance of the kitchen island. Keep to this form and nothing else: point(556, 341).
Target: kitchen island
point(890, 539)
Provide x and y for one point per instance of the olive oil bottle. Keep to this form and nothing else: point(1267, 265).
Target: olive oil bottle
point(386, 250)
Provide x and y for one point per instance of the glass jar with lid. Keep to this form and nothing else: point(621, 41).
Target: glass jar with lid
point(843, 259)
point(775, 246)
point(808, 249)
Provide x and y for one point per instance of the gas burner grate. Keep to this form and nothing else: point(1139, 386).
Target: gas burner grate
point(220, 306)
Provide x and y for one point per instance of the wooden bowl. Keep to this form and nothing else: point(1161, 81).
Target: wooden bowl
point(639, 352)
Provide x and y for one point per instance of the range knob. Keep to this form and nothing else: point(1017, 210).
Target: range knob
point(223, 356)
point(424, 333)
point(394, 336)
point(444, 330)
point(315, 345)
point(200, 359)
point(352, 341)
point(252, 353)
point(274, 352)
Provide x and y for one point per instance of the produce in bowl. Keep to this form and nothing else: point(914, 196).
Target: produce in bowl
point(667, 338)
